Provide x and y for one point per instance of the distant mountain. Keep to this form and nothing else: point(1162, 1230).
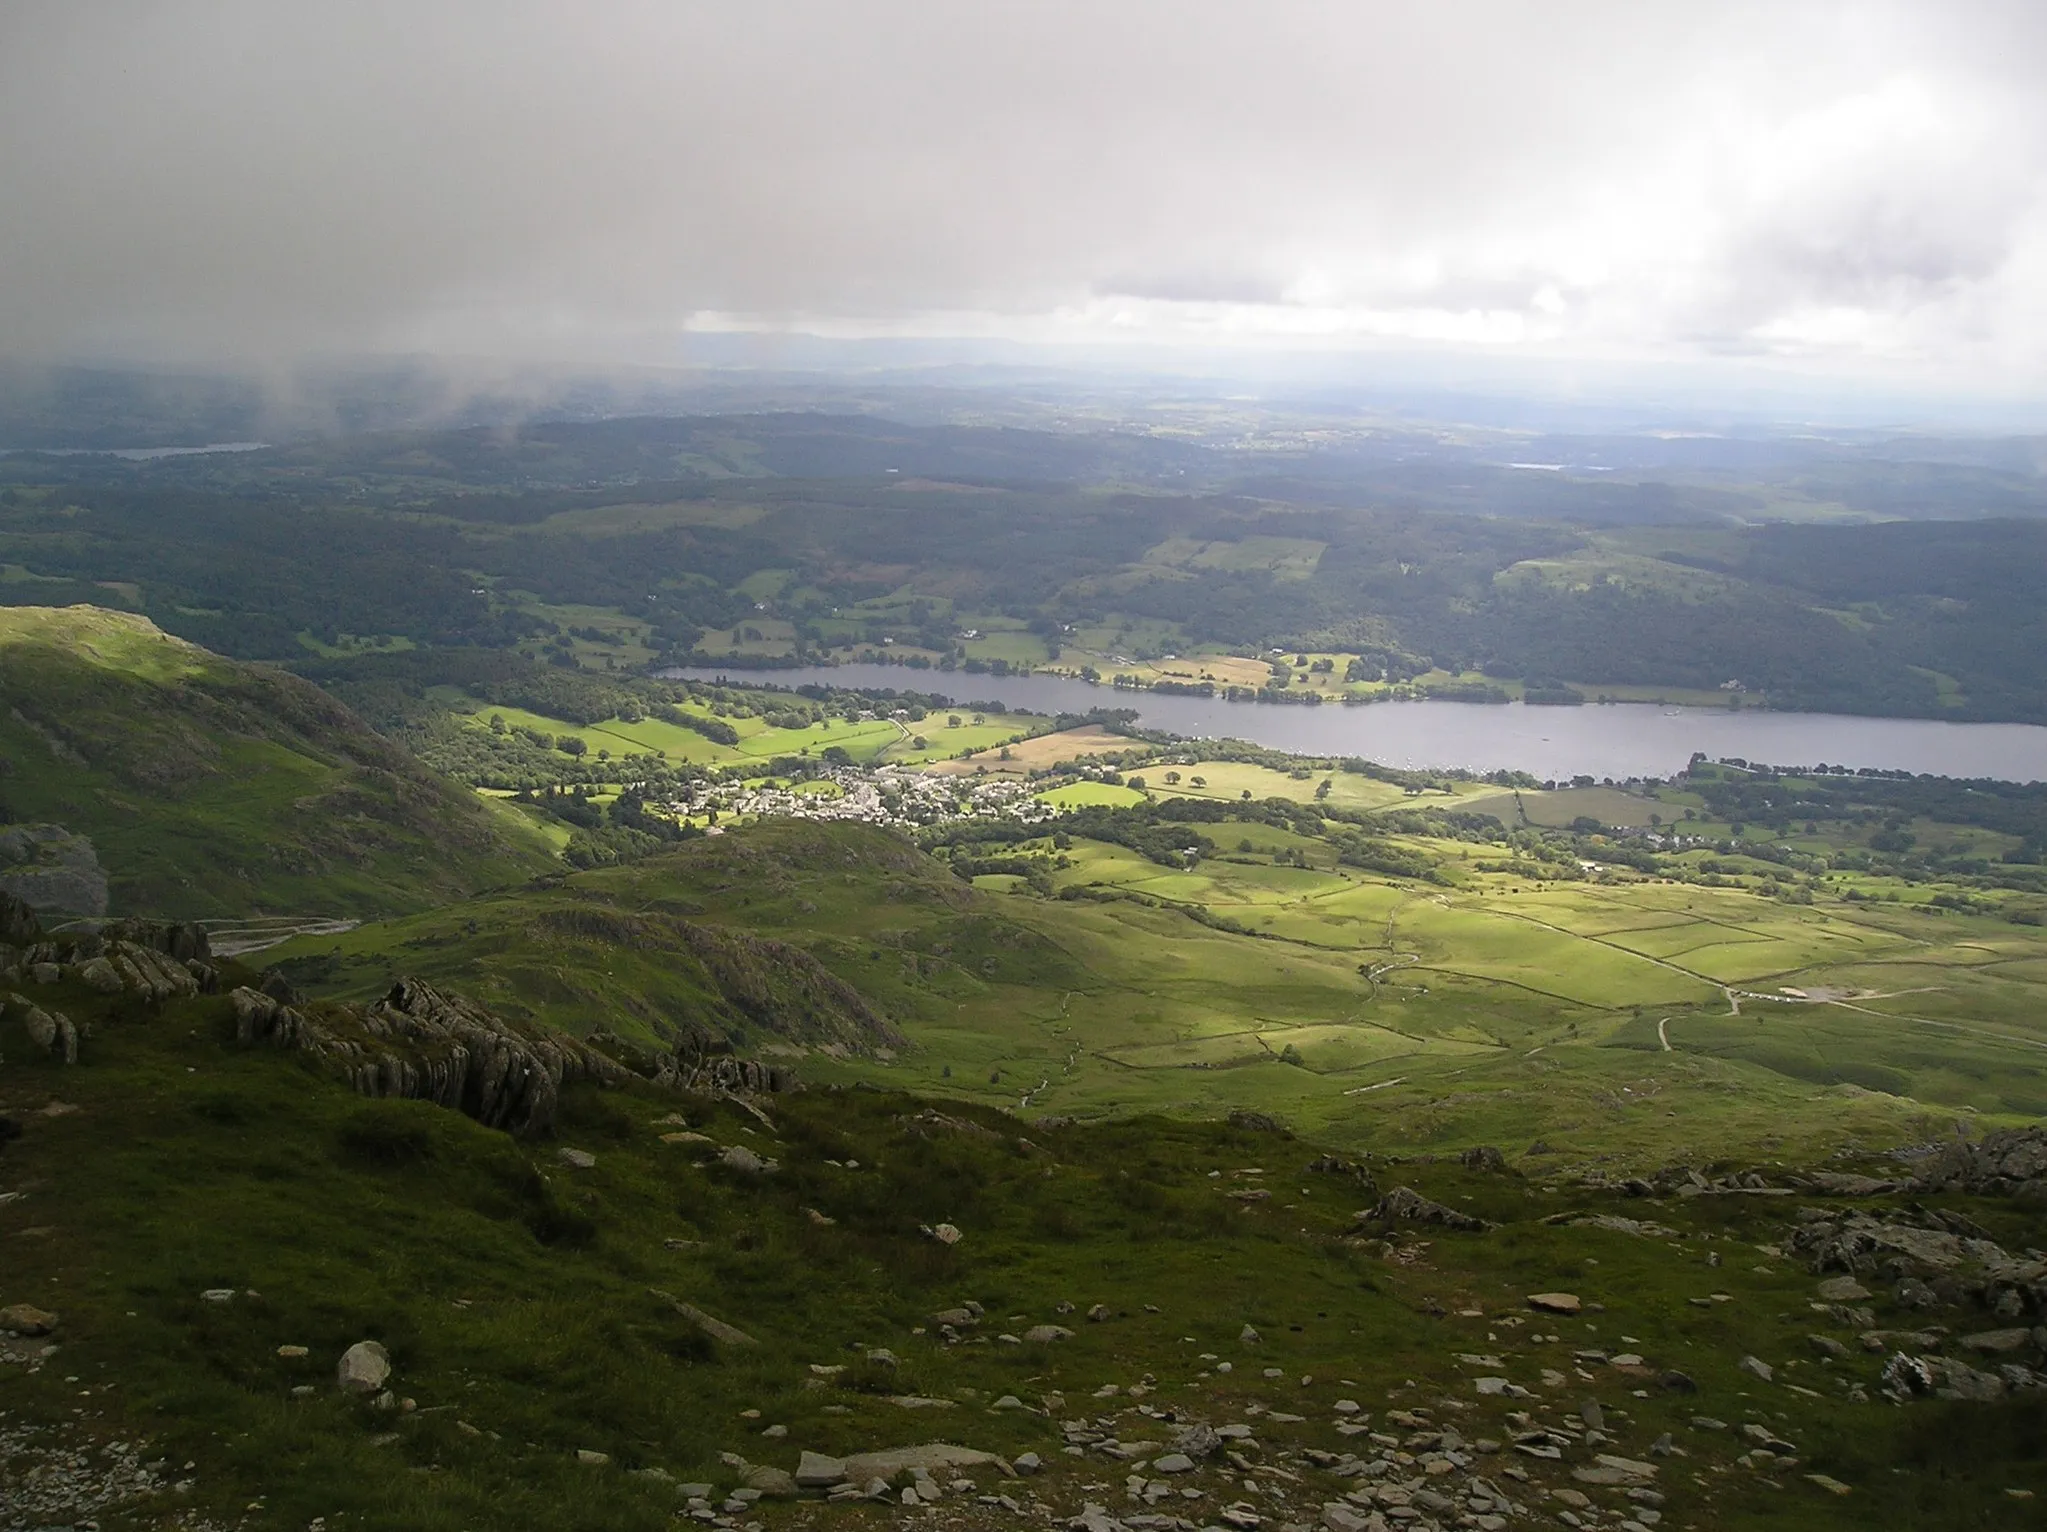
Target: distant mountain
point(142, 774)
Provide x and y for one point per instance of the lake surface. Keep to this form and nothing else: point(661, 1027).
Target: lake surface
point(1629, 740)
point(137, 454)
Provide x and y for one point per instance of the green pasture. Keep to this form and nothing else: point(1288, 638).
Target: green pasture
point(870, 741)
point(1089, 794)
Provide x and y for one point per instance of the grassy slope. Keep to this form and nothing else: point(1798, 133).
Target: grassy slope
point(513, 1294)
point(1421, 1015)
point(211, 788)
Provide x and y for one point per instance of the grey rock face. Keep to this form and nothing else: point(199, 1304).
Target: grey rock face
point(48, 867)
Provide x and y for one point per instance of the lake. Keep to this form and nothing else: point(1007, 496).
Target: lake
point(136, 454)
point(1626, 740)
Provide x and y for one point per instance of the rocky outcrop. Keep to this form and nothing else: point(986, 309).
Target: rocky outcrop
point(1406, 1205)
point(1934, 1256)
point(157, 960)
point(2012, 1163)
point(1938, 1377)
point(722, 1074)
point(1245, 1121)
point(423, 1044)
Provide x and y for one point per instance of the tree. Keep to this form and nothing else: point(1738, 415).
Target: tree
point(918, 742)
point(570, 744)
point(1197, 781)
point(1172, 778)
point(952, 720)
point(1245, 795)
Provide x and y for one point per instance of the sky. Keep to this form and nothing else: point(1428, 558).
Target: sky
point(1855, 191)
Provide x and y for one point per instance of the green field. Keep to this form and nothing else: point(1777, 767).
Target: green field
point(1420, 1013)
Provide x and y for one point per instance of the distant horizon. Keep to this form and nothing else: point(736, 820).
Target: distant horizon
point(1419, 388)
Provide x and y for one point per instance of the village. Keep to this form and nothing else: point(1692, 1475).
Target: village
point(897, 797)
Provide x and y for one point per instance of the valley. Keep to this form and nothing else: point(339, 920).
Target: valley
point(501, 1037)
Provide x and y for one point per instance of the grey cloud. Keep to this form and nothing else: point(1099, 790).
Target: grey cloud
point(271, 179)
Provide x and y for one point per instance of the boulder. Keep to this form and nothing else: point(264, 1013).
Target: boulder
point(773, 1483)
point(1173, 1462)
point(1484, 1157)
point(931, 1456)
point(1843, 1290)
point(1999, 1342)
point(742, 1159)
point(716, 1329)
point(1756, 1368)
point(27, 1319)
point(946, 1234)
point(816, 1471)
point(1556, 1303)
point(51, 1031)
point(364, 1368)
point(1839, 1183)
point(1044, 1335)
point(1198, 1441)
point(577, 1159)
point(101, 975)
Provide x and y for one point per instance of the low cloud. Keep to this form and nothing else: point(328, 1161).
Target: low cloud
point(1863, 182)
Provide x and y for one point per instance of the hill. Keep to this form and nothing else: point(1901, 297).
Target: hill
point(240, 1291)
point(190, 785)
point(1415, 982)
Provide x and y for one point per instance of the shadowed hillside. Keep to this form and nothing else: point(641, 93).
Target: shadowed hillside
point(211, 788)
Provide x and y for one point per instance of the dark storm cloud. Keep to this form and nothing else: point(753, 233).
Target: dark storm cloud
point(269, 179)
